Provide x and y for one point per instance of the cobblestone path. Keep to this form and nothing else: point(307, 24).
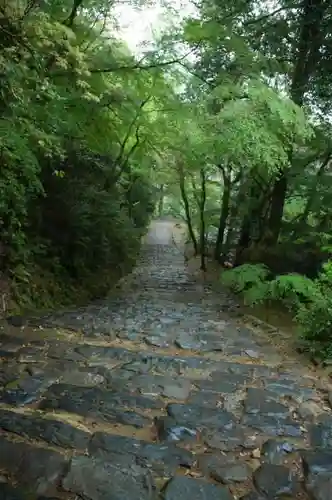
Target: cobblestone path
point(159, 393)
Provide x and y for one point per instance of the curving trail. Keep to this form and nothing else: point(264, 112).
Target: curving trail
point(158, 392)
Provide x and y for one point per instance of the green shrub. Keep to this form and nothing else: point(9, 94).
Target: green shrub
point(309, 300)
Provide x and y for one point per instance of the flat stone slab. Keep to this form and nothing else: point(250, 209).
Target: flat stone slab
point(102, 404)
point(164, 459)
point(96, 479)
point(198, 416)
point(37, 469)
point(186, 488)
point(50, 430)
point(275, 481)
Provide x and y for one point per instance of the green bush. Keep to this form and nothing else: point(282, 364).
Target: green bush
point(309, 300)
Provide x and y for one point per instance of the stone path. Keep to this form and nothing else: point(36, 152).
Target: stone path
point(158, 393)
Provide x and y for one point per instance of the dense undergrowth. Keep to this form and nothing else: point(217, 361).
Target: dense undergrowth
point(308, 300)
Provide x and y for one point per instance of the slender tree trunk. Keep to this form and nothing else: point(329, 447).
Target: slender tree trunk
point(187, 209)
point(202, 236)
point(223, 215)
point(312, 194)
point(161, 201)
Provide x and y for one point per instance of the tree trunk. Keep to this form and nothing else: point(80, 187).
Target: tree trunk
point(202, 237)
point(307, 56)
point(223, 216)
point(161, 201)
point(187, 209)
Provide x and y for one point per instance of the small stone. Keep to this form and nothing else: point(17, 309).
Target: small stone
point(233, 473)
point(177, 390)
point(252, 354)
point(186, 488)
point(309, 410)
point(320, 434)
point(256, 453)
point(157, 341)
point(274, 452)
point(228, 438)
point(274, 480)
point(168, 430)
point(198, 416)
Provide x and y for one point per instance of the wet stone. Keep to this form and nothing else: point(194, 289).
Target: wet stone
point(316, 462)
point(275, 480)
point(321, 488)
point(272, 426)
point(164, 459)
point(232, 473)
point(168, 430)
point(188, 488)
point(82, 378)
point(49, 430)
point(103, 404)
point(253, 495)
point(263, 402)
point(321, 434)
point(228, 438)
point(275, 452)
point(205, 398)
point(157, 341)
point(198, 416)
point(26, 390)
point(37, 469)
point(96, 479)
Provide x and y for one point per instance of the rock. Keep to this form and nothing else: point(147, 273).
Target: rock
point(188, 488)
point(164, 459)
point(37, 469)
point(26, 389)
point(316, 462)
point(177, 389)
point(321, 488)
point(252, 354)
point(263, 402)
point(82, 378)
point(168, 430)
point(253, 495)
point(197, 416)
point(320, 434)
point(274, 481)
point(274, 452)
point(49, 430)
point(309, 410)
point(187, 342)
point(233, 473)
point(102, 404)
point(273, 426)
point(99, 480)
point(157, 341)
point(228, 438)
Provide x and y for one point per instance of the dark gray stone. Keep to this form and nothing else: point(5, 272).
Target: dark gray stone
point(272, 426)
point(228, 438)
point(275, 480)
point(188, 488)
point(316, 462)
point(205, 398)
point(162, 458)
point(198, 416)
point(263, 402)
point(99, 403)
point(321, 489)
point(37, 469)
point(96, 479)
point(168, 430)
point(26, 390)
point(321, 434)
point(253, 495)
point(157, 341)
point(232, 473)
point(49, 430)
point(275, 452)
